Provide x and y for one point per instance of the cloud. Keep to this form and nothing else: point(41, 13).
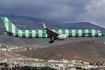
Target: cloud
point(57, 10)
point(95, 13)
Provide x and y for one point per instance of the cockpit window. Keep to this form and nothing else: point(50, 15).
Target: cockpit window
point(99, 31)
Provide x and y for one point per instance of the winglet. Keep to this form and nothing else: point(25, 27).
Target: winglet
point(44, 25)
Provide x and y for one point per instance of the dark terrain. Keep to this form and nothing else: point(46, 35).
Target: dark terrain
point(71, 48)
point(85, 50)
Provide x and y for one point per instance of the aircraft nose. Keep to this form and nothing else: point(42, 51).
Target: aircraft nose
point(102, 34)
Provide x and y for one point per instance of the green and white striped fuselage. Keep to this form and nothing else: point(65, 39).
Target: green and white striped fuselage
point(14, 31)
point(69, 33)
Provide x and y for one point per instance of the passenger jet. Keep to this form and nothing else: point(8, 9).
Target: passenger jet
point(60, 34)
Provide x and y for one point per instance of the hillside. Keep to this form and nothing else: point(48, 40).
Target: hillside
point(42, 42)
point(26, 22)
point(84, 25)
point(11, 55)
point(86, 50)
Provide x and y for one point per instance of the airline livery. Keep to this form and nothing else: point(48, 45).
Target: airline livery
point(61, 34)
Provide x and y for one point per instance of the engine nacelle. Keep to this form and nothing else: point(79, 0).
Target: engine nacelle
point(61, 37)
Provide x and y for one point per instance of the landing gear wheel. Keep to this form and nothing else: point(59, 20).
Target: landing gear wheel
point(51, 41)
point(93, 39)
point(54, 38)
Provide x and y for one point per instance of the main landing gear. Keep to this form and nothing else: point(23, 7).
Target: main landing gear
point(51, 40)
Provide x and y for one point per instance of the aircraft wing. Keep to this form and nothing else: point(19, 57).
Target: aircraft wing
point(50, 32)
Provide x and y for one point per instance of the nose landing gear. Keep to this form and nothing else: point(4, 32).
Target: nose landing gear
point(93, 39)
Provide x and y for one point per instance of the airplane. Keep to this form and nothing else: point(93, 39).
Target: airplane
point(60, 34)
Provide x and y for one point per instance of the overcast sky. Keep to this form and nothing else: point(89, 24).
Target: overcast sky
point(57, 10)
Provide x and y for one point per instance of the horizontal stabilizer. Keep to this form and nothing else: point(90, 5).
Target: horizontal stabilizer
point(8, 32)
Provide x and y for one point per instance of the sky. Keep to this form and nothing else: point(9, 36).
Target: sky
point(61, 11)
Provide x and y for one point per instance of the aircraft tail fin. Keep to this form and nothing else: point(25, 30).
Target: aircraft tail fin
point(10, 27)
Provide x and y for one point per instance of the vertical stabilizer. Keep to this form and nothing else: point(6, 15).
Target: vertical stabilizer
point(10, 27)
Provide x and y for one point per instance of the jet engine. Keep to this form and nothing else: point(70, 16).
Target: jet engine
point(61, 37)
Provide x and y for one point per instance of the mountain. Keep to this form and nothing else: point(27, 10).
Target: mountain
point(85, 50)
point(26, 22)
point(84, 25)
point(9, 16)
point(29, 23)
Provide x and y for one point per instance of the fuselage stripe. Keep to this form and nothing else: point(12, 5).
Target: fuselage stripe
point(83, 33)
point(96, 33)
point(70, 33)
point(23, 34)
point(37, 33)
point(16, 32)
point(30, 33)
point(90, 33)
point(63, 32)
point(73, 33)
point(43, 34)
point(76, 33)
point(33, 33)
point(80, 32)
point(56, 31)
